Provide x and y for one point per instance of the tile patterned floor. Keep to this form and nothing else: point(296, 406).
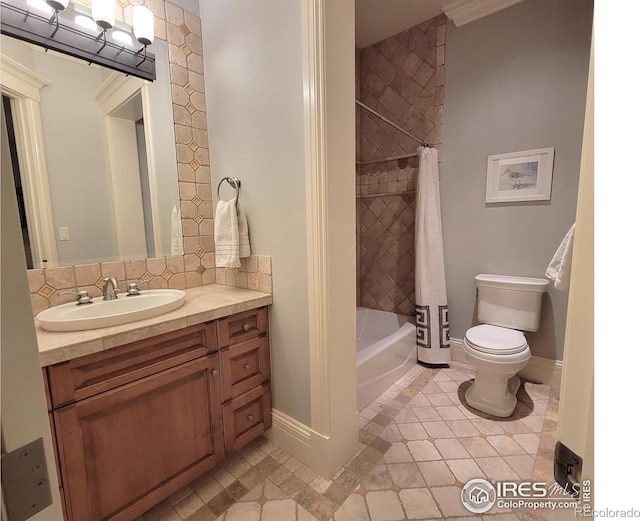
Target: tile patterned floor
point(419, 445)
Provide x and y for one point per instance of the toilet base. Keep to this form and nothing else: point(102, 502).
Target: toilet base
point(497, 400)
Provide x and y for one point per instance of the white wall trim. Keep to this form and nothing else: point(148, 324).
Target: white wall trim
point(116, 90)
point(23, 86)
point(462, 12)
point(316, 189)
point(327, 29)
point(19, 81)
point(301, 442)
point(290, 435)
point(539, 369)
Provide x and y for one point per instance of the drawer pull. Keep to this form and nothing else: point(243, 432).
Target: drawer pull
point(247, 366)
point(250, 417)
point(246, 327)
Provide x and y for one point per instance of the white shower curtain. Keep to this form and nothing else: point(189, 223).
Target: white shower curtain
point(432, 312)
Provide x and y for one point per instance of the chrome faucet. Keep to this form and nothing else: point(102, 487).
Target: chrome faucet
point(110, 288)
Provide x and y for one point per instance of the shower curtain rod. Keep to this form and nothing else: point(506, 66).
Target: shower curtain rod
point(394, 125)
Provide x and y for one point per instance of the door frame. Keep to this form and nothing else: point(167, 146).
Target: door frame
point(23, 87)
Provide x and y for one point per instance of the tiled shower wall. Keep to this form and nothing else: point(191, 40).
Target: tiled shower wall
point(183, 33)
point(402, 78)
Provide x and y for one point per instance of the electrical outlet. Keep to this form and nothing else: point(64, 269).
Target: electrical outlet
point(25, 481)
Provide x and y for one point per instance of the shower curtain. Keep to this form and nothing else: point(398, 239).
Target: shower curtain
point(432, 312)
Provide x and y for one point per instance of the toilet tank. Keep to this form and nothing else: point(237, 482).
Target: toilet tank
point(508, 301)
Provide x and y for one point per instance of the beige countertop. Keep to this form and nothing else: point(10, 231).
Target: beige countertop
point(201, 304)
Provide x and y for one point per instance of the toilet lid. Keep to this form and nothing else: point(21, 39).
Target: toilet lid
point(496, 340)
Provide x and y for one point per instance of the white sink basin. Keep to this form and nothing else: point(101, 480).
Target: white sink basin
point(104, 313)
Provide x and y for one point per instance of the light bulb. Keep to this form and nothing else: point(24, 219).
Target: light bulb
point(86, 22)
point(143, 24)
point(40, 5)
point(104, 13)
point(123, 37)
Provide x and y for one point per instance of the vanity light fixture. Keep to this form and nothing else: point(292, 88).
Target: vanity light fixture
point(57, 6)
point(143, 27)
point(75, 28)
point(104, 15)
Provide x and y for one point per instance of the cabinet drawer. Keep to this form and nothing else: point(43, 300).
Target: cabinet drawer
point(243, 326)
point(247, 416)
point(89, 375)
point(244, 366)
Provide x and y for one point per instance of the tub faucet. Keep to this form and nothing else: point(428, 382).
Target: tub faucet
point(110, 288)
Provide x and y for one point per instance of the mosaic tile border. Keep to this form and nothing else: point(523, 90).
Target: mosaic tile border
point(178, 272)
point(385, 182)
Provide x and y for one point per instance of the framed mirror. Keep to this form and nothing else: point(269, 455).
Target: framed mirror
point(94, 157)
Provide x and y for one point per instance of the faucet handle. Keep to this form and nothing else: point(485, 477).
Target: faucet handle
point(83, 296)
point(132, 287)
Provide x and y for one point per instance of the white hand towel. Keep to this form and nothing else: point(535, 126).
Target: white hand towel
point(226, 236)
point(559, 269)
point(176, 232)
point(243, 233)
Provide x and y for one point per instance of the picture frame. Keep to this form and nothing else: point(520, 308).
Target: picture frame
point(520, 176)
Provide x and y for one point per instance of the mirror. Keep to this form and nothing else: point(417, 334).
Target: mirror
point(106, 151)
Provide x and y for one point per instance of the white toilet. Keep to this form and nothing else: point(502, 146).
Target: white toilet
point(497, 348)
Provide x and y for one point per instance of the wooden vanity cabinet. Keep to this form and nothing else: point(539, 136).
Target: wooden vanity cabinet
point(136, 423)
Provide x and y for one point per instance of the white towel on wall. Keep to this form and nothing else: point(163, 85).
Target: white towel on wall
point(243, 233)
point(559, 269)
point(226, 235)
point(432, 310)
point(176, 232)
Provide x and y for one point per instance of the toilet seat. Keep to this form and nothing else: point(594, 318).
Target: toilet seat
point(496, 340)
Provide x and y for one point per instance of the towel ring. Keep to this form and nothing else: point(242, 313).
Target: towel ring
point(233, 181)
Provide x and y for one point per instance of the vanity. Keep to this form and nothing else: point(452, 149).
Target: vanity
point(138, 411)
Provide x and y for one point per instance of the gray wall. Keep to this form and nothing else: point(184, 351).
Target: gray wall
point(24, 409)
point(515, 80)
point(253, 75)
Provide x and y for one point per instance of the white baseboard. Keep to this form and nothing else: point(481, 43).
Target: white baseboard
point(291, 435)
point(324, 455)
point(539, 369)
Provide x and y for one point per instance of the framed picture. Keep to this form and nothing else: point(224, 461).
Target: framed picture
point(520, 176)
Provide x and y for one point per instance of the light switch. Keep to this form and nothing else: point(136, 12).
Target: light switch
point(64, 233)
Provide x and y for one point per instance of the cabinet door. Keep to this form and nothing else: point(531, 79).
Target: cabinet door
point(125, 450)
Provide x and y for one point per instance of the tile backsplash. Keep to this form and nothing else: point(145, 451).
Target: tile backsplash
point(183, 33)
point(179, 272)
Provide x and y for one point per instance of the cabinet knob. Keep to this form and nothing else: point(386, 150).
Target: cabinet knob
point(246, 327)
point(247, 366)
point(250, 417)
point(214, 372)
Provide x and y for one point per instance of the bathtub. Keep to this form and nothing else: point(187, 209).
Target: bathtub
point(386, 350)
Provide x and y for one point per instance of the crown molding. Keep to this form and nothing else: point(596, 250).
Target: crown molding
point(462, 12)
